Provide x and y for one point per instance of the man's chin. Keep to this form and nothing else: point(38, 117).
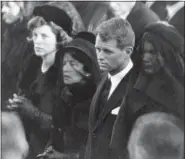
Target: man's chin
point(104, 69)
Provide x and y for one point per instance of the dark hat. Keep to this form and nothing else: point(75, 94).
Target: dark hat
point(58, 16)
point(167, 32)
point(87, 36)
point(83, 43)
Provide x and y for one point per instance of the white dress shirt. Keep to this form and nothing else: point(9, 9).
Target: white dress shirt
point(116, 79)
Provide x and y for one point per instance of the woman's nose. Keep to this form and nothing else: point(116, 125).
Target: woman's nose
point(147, 57)
point(67, 67)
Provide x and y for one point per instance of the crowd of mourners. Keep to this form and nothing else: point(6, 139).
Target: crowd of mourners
point(92, 80)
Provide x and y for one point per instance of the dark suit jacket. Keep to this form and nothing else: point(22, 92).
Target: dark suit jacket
point(40, 89)
point(100, 129)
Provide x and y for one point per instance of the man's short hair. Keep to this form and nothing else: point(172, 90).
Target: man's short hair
point(14, 144)
point(117, 29)
point(157, 136)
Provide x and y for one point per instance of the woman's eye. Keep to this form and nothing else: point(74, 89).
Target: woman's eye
point(97, 50)
point(44, 36)
point(73, 63)
point(34, 35)
point(64, 63)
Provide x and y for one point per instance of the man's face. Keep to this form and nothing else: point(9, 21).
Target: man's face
point(11, 12)
point(110, 57)
point(151, 63)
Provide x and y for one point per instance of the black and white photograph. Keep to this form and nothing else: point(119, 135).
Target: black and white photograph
point(92, 79)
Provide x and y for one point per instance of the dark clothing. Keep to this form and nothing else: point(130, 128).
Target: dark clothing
point(150, 94)
point(15, 49)
point(40, 89)
point(72, 118)
point(162, 91)
point(70, 115)
point(101, 129)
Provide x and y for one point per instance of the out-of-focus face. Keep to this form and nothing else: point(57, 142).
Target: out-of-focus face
point(151, 63)
point(72, 70)
point(44, 40)
point(11, 12)
point(110, 57)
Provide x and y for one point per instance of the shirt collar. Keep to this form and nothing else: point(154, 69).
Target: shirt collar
point(120, 75)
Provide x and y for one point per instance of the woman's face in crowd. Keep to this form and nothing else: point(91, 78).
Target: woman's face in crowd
point(72, 70)
point(150, 58)
point(11, 12)
point(44, 40)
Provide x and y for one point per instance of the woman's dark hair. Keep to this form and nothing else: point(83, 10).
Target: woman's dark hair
point(172, 59)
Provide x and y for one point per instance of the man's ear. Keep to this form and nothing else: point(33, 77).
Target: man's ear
point(129, 50)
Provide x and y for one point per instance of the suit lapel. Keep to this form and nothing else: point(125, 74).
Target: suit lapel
point(113, 101)
point(95, 102)
point(115, 98)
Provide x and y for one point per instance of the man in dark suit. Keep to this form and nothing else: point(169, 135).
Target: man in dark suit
point(114, 45)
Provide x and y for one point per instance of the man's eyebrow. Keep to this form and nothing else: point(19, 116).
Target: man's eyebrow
point(108, 50)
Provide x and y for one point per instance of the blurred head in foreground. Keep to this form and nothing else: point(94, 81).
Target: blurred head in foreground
point(157, 135)
point(14, 144)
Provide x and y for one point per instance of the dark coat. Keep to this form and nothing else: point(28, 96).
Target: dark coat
point(40, 89)
point(70, 115)
point(15, 49)
point(70, 129)
point(148, 95)
point(101, 129)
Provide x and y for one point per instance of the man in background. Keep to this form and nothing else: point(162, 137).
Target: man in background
point(157, 136)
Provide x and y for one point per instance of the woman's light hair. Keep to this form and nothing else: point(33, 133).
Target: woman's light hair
point(62, 37)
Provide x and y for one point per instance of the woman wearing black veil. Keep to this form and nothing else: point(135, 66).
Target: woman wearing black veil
point(160, 84)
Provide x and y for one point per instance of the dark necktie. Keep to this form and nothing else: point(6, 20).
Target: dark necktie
point(104, 95)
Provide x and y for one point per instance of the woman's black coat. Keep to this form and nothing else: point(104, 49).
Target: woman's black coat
point(40, 89)
point(71, 114)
